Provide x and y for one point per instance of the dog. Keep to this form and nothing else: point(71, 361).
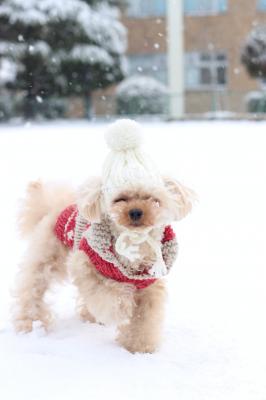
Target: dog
point(112, 237)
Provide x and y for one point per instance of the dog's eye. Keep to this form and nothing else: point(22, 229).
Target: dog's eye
point(157, 202)
point(146, 198)
point(153, 199)
point(120, 199)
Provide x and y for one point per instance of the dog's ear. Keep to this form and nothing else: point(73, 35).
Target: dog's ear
point(181, 198)
point(89, 200)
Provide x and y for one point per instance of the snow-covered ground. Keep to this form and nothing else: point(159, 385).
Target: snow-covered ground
point(215, 332)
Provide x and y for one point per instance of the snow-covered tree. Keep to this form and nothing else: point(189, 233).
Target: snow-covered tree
point(61, 47)
point(141, 95)
point(254, 52)
point(256, 102)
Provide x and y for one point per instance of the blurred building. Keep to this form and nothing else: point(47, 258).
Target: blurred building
point(214, 32)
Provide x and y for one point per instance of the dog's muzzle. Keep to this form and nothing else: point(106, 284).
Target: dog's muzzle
point(135, 214)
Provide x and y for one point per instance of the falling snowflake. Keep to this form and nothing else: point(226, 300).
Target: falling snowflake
point(39, 99)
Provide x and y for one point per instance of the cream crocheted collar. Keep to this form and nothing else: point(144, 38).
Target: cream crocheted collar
point(100, 238)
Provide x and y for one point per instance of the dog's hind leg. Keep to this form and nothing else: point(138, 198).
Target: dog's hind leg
point(44, 262)
point(33, 282)
point(83, 311)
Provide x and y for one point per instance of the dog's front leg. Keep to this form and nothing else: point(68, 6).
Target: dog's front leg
point(143, 333)
point(106, 300)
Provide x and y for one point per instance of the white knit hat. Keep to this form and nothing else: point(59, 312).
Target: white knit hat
point(127, 165)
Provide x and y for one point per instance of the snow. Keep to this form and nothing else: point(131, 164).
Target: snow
point(137, 85)
point(254, 95)
point(104, 9)
point(12, 49)
point(21, 38)
point(100, 24)
point(98, 37)
point(141, 94)
point(104, 30)
point(39, 99)
point(18, 49)
point(255, 101)
point(8, 71)
point(214, 338)
point(40, 47)
point(253, 52)
point(91, 54)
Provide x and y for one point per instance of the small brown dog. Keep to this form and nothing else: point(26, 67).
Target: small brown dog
point(112, 237)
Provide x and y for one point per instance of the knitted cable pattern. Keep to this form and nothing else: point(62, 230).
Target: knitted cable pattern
point(96, 241)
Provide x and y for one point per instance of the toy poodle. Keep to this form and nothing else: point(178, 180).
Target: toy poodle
point(112, 238)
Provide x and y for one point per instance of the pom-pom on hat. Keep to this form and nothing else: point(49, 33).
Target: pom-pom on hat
point(127, 165)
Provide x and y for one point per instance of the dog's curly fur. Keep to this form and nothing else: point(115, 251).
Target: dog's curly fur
point(138, 314)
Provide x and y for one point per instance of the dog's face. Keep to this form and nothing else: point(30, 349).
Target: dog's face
point(137, 208)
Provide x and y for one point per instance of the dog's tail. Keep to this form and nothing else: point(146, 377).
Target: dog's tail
point(41, 200)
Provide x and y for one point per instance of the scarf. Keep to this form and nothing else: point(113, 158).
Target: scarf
point(97, 241)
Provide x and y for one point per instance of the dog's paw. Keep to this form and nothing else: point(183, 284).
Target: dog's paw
point(26, 324)
point(85, 315)
point(136, 345)
point(23, 325)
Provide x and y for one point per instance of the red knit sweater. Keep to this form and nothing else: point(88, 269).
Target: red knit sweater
point(65, 232)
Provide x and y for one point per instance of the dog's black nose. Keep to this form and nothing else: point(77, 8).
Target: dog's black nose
point(135, 214)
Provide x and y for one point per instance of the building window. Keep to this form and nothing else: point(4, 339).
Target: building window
point(146, 8)
point(153, 65)
point(206, 70)
point(205, 7)
point(262, 5)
